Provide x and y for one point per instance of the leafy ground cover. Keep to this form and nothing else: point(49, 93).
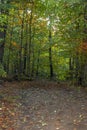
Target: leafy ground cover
point(42, 105)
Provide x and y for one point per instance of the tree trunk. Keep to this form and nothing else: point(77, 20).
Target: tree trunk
point(10, 47)
point(33, 56)
point(1, 50)
point(50, 54)
point(21, 46)
point(38, 60)
point(25, 48)
point(84, 79)
point(2, 42)
point(30, 39)
point(2, 33)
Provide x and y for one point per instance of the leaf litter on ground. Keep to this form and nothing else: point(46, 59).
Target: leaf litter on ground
point(43, 105)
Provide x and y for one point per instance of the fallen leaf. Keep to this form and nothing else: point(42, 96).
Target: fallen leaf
point(11, 129)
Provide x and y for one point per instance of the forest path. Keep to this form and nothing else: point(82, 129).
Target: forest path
point(42, 105)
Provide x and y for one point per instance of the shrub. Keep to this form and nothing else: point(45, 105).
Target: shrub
point(2, 72)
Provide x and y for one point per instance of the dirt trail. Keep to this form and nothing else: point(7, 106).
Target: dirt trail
point(42, 105)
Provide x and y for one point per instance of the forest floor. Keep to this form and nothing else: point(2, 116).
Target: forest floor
point(42, 105)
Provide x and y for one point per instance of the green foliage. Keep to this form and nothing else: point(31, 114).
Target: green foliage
point(27, 40)
point(2, 72)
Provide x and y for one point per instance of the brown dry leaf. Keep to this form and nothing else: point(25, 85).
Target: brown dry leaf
point(0, 109)
point(12, 113)
point(75, 121)
point(75, 129)
point(57, 128)
point(1, 120)
point(11, 128)
point(4, 126)
point(31, 122)
point(25, 119)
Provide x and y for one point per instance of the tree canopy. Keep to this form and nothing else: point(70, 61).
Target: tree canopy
point(42, 38)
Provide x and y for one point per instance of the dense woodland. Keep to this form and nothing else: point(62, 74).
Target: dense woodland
point(44, 38)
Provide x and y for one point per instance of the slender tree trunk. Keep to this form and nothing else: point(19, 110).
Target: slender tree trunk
point(2, 43)
point(78, 69)
point(2, 35)
point(38, 60)
point(33, 56)
point(21, 46)
point(26, 48)
point(10, 49)
point(70, 68)
point(33, 63)
point(50, 54)
point(30, 40)
point(84, 55)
